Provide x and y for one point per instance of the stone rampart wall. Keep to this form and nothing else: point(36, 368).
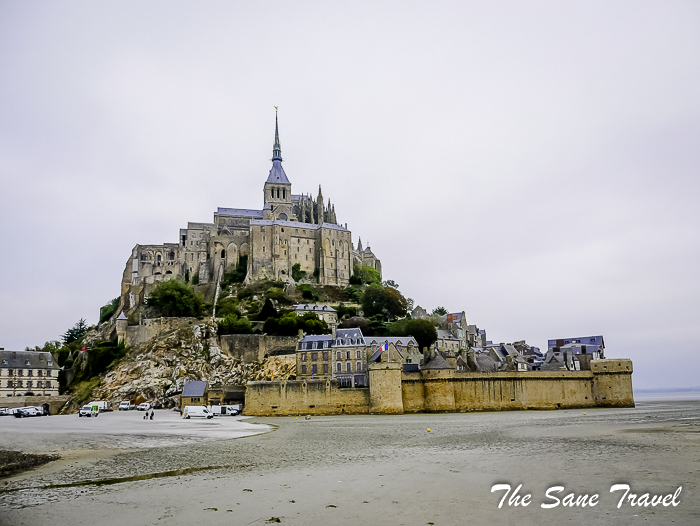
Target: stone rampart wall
point(608, 384)
point(299, 397)
point(154, 328)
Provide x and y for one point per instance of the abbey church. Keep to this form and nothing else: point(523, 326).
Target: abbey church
point(289, 229)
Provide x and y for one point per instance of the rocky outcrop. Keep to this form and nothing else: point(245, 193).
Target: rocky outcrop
point(158, 369)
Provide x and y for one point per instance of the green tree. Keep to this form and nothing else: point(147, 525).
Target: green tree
point(175, 299)
point(297, 273)
point(383, 300)
point(391, 283)
point(75, 333)
point(440, 311)
point(423, 331)
point(268, 311)
point(108, 310)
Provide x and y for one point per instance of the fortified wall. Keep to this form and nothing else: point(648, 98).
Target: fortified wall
point(391, 391)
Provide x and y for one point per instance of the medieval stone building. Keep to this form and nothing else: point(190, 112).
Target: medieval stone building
point(289, 229)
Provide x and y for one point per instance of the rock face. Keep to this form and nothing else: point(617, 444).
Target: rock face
point(158, 369)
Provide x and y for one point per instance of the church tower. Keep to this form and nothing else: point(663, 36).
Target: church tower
point(278, 189)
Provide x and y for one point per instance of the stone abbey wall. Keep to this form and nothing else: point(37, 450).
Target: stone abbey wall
point(607, 384)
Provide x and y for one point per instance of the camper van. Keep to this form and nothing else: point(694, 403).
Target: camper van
point(196, 411)
point(102, 406)
point(225, 410)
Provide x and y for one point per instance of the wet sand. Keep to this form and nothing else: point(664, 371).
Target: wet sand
point(356, 469)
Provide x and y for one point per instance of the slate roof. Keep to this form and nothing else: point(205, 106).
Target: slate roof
point(349, 333)
point(315, 308)
point(277, 174)
point(245, 212)
point(316, 338)
point(27, 360)
point(583, 340)
point(194, 388)
point(445, 335)
point(438, 362)
point(396, 340)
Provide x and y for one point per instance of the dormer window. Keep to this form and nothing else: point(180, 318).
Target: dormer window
point(27, 362)
point(4, 362)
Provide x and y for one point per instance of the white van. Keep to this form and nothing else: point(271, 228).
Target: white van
point(102, 406)
point(196, 411)
point(126, 405)
point(88, 410)
point(225, 410)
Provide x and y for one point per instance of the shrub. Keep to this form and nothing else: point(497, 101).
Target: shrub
point(308, 292)
point(365, 274)
point(276, 294)
point(232, 324)
point(353, 293)
point(297, 273)
point(195, 279)
point(108, 310)
point(227, 306)
point(175, 299)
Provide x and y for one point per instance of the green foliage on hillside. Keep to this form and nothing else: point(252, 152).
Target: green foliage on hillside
point(297, 273)
point(232, 324)
point(175, 299)
point(108, 310)
point(226, 306)
point(236, 275)
point(98, 360)
point(364, 275)
point(289, 324)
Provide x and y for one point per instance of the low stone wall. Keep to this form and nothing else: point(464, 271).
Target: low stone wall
point(251, 348)
point(302, 397)
point(55, 402)
point(155, 327)
point(607, 384)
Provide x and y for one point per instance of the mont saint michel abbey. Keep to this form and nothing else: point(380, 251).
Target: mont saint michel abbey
point(290, 228)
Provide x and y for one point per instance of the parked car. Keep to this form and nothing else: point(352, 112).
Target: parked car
point(88, 410)
point(196, 411)
point(157, 405)
point(126, 405)
point(144, 406)
point(4, 411)
point(20, 412)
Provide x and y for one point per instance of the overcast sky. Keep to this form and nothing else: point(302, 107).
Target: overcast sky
point(535, 164)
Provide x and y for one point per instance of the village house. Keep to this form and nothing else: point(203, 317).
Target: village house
point(194, 393)
point(28, 373)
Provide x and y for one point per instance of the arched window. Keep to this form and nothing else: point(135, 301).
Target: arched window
point(171, 255)
point(278, 193)
point(272, 193)
point(339, 367)
point(223, 254)
point(284, 193)
point(158, 259)
point(348, 367)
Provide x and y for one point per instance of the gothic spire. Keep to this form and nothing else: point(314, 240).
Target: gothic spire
point(276, 150)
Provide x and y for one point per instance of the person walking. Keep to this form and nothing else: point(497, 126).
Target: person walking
point(152, 412)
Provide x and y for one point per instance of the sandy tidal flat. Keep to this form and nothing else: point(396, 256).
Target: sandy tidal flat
point(356, 469)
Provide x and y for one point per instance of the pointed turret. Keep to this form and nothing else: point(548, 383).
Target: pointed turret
point(276, 149)
point(359, 244)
